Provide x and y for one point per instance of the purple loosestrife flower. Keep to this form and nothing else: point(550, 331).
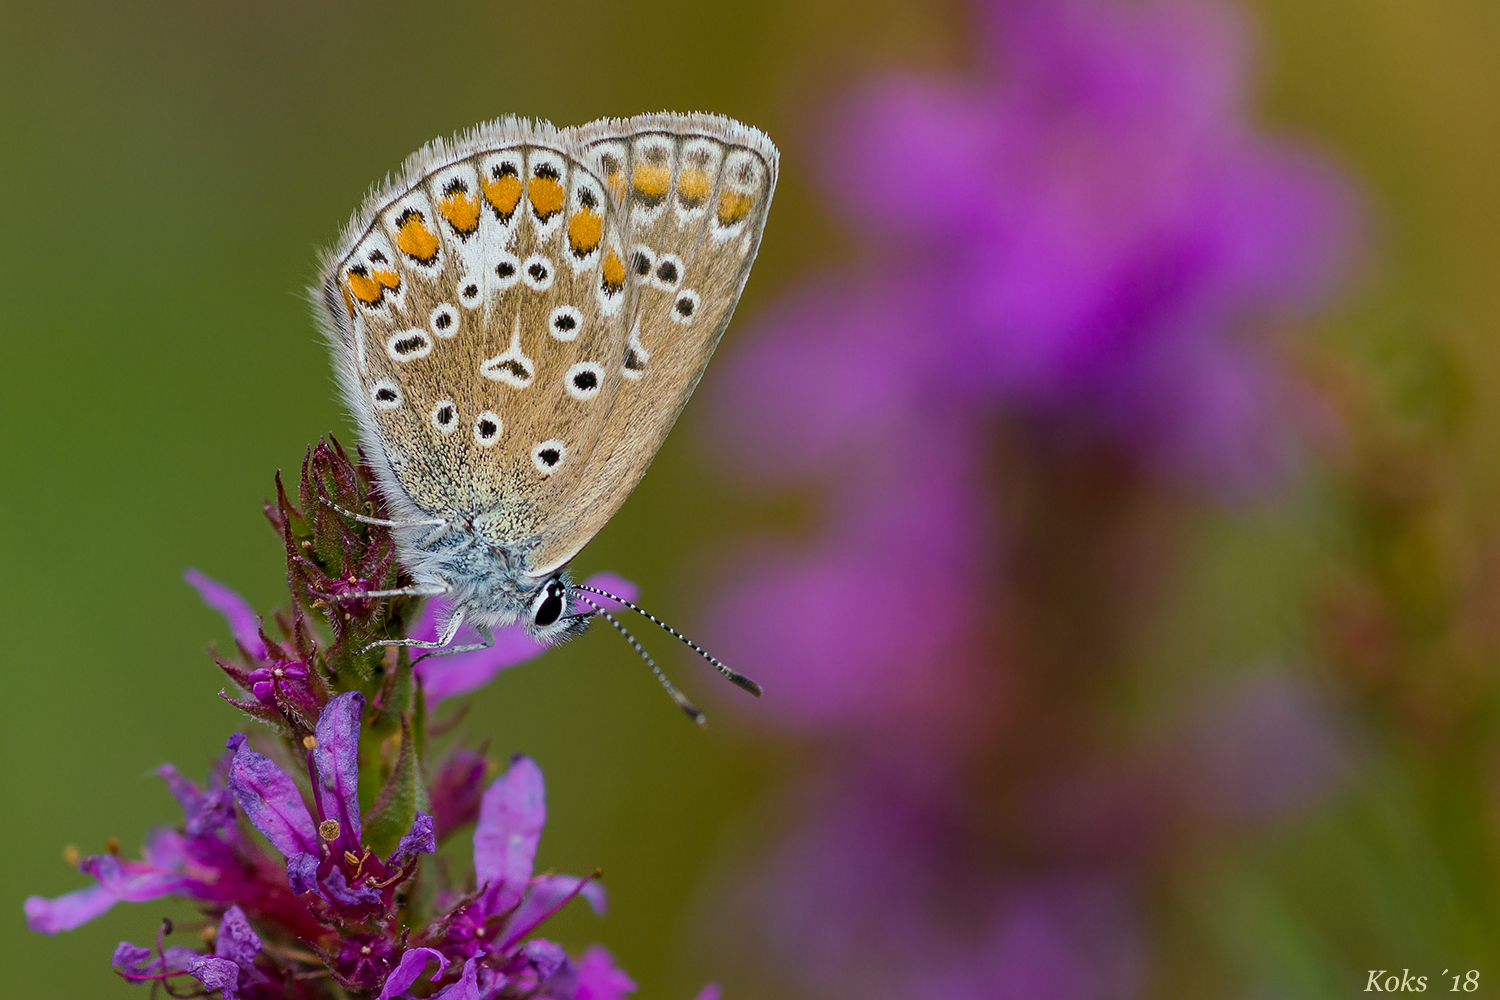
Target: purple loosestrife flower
point(342, 789)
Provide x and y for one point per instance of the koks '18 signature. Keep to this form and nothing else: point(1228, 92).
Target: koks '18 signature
point(1386, 981)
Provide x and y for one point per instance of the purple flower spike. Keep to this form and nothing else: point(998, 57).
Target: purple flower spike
point(337, 759)
point(243, 622)
point(271, 800)
point(450, 676)
point(511, 817)
point(412, 965)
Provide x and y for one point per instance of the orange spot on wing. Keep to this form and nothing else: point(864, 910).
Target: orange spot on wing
point(652, 180)
point(546, 197)
point(348, 299)
point(616, 181)
point(503, 193)
point(734, 206)
point(390, 279)
point(461, 209)
point(414, 239)
point(613, 272)
point(693, 187)
point(363, 287)
point(585, 230)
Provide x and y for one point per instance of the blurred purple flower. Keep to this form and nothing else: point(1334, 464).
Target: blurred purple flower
point(1083, 232)
point(1089, 239)
point(887, 893)
point(1259, 751)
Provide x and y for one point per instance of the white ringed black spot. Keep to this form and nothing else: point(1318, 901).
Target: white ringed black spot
point(686, 306)
point(548, 455)
point(408, 345)
point(445, 416)
point(667, 274)
point(536, 271)
point(642, 262)
point(385, 394)
point(444, 320)
point(584, 380)
point(487, 428)
point(565, 323)
point(507, 270)
point(470, 292)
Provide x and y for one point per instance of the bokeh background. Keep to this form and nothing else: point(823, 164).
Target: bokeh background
point(1100, 714)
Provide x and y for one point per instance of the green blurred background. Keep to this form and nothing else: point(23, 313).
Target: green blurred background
point(168, 173)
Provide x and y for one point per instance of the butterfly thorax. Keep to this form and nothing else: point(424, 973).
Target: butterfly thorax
point(486, 580)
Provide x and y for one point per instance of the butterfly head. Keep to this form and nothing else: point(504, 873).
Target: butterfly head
point(548, 617)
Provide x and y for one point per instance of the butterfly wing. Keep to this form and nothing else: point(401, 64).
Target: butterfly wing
point(693, 191)
point(478, 309)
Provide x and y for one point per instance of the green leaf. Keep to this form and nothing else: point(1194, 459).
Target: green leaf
point(399, 801)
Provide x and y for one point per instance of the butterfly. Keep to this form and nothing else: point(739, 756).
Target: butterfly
point(516, 321)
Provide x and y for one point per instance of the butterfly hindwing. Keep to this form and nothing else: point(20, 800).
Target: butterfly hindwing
point(693, 191)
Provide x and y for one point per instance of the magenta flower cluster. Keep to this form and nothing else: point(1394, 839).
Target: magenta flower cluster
point(1059, 323)
point(308, 864)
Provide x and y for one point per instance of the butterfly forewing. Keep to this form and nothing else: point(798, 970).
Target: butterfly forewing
point(485, 311)
point(693, 191)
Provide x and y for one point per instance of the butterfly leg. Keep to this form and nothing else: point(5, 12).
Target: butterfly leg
point(485, 634)
point(382, 522)
point(415, 590)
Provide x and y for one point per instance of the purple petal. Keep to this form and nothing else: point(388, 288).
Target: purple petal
point(135, 881)
point(131, 959)
point(165, 849)
point(242, 621)
point(413, 964)
point(450, 676)
point(180, 958)
point(545, 957)
point(205, 811)
point(270, 800)
point(340, 891)
point(544, 897)
point(710, 991)
point(420, 839)
point(70, 910)
point(600, 979)
point(467, 988)
point(456, 790)
point(511, 816)
point(337, 760)
point(236, 940)
point(302, 873)
point(217, 974)
point(215, 812)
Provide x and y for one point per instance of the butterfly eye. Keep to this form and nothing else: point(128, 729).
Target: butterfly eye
point(548, 606)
